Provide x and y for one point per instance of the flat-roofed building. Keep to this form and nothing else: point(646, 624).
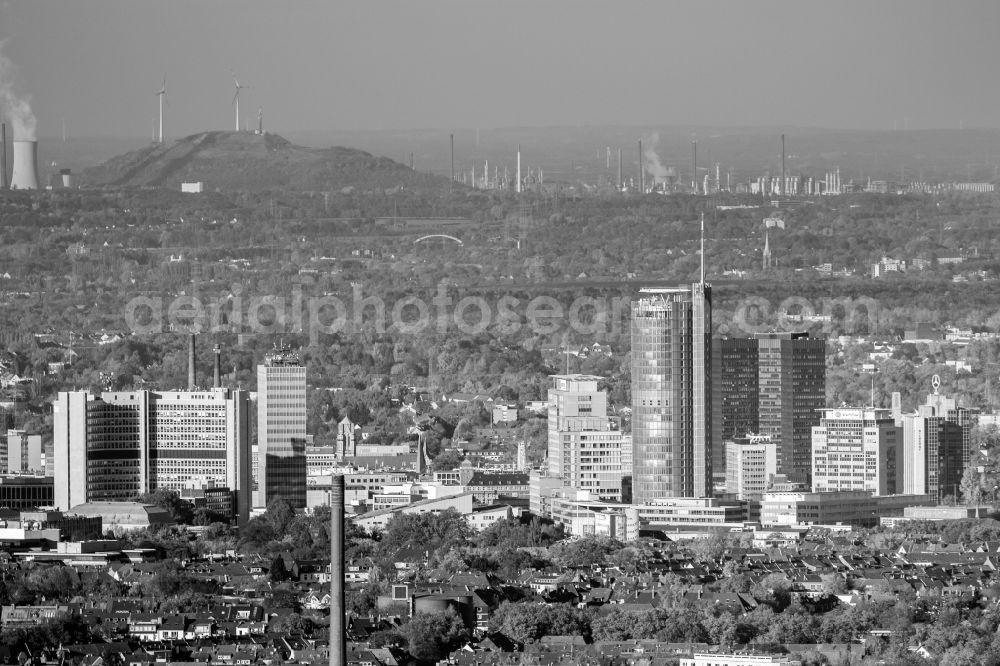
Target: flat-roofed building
point(118, 445)
point(936, 447)
point(585, 445)
point(853, 507)
point(856, 449)
point(281, 429)
point(24, 453)
point(26, 492)
point(751, 462)
point(738, 659)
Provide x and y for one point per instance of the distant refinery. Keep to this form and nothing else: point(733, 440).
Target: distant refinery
point(651, 175)
point(496, 179)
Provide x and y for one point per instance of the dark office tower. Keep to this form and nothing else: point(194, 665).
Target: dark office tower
point(671, 393)
point(735, 400)
point(936, 441)
point(967, 419)
point(792, 390)
point(281, 428)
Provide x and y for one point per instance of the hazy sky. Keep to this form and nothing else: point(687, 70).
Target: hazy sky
point(370, 64)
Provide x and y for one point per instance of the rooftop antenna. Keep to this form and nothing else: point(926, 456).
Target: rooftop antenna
point(236, 100)
point(161, 93)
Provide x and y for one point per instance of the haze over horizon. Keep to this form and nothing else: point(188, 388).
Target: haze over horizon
point(316, 66)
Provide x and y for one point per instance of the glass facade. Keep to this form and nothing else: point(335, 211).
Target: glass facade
point(115, 449)
point(281, 429)
point(734, 396)
point(936, 444)
point(792, 384)
point(671, 393)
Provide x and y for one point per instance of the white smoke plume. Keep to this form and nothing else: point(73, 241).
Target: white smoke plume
point(15, 107)
point(651, 161)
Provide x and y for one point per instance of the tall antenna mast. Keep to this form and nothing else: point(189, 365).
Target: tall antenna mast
point(694, 167)
point(642, 171)
point(160, 94)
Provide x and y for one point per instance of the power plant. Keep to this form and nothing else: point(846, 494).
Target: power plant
point(24, 174)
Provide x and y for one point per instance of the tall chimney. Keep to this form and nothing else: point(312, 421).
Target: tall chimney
point(217, 374)
point(3, 156)
point(338, 640)
point(452, 181)
point(783, 165)
point(642, 172)
point(619, 168)
point(517, 184)
point(24, 175)
point(192, 378)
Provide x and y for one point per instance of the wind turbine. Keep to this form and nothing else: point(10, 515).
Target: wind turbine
point(161, 93)
point(236, 100)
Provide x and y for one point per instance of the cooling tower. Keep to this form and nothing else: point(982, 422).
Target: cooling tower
point(24, 175)
point(67, 177)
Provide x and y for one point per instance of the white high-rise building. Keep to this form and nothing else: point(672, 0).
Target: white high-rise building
point(281, 429)
point(856, 449)
point(118, 445)
point(522, 456)
point(750, 465)
point(24, 452)
point(585, 444)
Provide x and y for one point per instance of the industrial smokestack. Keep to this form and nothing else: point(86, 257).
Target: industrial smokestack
point(217, 373)
point(619, 168)
point(338, 640)
point(642, 172)
point(3, 156)
point(24, 175)
point(192, 378)
point(517, 185)
point(782, 165)
point(452, 181)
